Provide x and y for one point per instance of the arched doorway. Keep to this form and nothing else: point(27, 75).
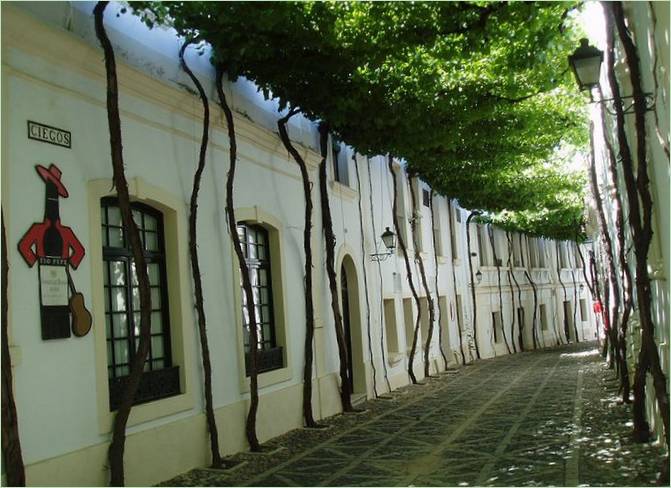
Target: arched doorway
point(351, 315)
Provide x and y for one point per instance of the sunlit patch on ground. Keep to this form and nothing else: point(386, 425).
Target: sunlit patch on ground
point(580, 354)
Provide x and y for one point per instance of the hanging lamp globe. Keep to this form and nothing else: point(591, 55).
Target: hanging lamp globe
point(586, 65)
point(389, 239)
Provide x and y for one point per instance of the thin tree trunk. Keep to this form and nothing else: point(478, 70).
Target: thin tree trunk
point(195, 266)
point(470, 270)
point(117, 446)
point(575, 306)
point(250, 424)
point(566, 334)
point(425, 284)
point(643, 219)
point(535, 336)
point(661, 138)
point(330, 242)
point(597, 293)
point(454, 286)
point(379, 273)
point(12, 457)
point(512, 273)
point(364, 258)
point(308, 416)
point(608, 251)
point(435, 262)
point(490, 233)
point(625, 273)
point(408, 270)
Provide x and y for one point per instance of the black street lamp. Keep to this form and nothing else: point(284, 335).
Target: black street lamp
point(585, 62)
point(389, 240)
point(586, 65)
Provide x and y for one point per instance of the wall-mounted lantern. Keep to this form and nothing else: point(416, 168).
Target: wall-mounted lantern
point(585, 62)
point(389, 241)
point(478, 277)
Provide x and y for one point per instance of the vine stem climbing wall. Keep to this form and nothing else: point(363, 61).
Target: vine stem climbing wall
point(439, 319)
point(330, 242)
point(408, 270)
point(250, 423)
point(118, 444)
point(308, 416)
point(422, 274)
point(195, 266)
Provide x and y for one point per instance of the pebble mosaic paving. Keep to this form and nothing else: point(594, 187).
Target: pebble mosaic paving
point(548, 417)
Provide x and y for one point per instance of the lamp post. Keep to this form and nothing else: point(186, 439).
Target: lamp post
point(389, 240)
point(585, 62)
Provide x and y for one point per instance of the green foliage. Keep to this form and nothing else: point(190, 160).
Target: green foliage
point(475, 96)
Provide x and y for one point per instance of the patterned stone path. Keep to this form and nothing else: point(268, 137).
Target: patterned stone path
point(548, 417)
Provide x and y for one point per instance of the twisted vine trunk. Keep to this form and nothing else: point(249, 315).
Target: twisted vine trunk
point(425, 284)
point(364, 271)
point(454, 285)
point(512, 274)
point(535, 336)
point(566, 334)
point(640, 217)
point(575, 306)
point(308, 416)
point(435, 262)
point(608, 251)
point(195, 266)
point(594, 273)
point(625, 273)
point(250, 424)
point(490, 233)
point(379, 274)
point(329, 242)
point(406, 260)
point(11, 443)
point(117, 446)
point(470, 270)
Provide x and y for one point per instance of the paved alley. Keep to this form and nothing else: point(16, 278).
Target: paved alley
point(549, 417)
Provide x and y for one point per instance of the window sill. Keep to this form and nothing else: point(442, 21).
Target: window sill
point(343, 191)
point(267, 379)
point(442, 259)
point(394, 358)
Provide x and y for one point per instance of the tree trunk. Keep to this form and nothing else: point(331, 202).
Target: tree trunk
point(470, 270)
point(408, 270)
point(490, 233)
point(454, 285)
point(11, 444)
point(195, 266)
point(425, 284)
point(643, 240)
point(435, 262)
point(330, 242)
point(575, 306)
point(535, 336)
point(512, 273)
point(308, 416)
point(597, 292)
point(625, 273)
point(250, 424)
point(608, 251)
point(638, 187)
point(364, 263)
point(379, 273)
point(117, 446)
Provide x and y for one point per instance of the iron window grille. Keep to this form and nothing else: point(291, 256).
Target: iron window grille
point(256, 250)
point(122, 304)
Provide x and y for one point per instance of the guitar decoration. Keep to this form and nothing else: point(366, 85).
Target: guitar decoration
point(55, 248)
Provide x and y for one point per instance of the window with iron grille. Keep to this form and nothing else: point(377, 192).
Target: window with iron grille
point(122, 304)
point(256, 249)
point(426, 197)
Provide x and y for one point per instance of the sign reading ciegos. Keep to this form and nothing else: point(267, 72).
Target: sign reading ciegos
point(49, 134)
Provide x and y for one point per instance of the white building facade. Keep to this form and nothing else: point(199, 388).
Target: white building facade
point(53, 77)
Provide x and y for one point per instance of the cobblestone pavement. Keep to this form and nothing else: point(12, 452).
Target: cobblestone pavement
point(547, 417)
